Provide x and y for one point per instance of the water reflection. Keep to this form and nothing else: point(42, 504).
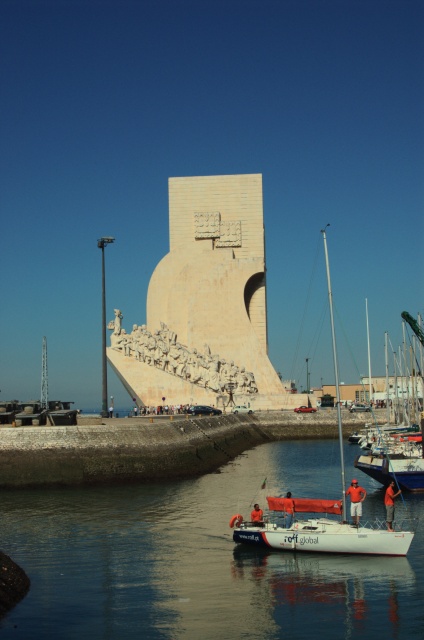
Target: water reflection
point(344, 587)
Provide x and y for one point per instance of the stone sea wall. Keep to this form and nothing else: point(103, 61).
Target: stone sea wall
point(148, 449)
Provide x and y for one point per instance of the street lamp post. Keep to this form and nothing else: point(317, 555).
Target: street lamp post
point(101, 243)
point(307, 376)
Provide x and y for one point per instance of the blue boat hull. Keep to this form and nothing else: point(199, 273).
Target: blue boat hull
point(408, 473)
point(249, 537)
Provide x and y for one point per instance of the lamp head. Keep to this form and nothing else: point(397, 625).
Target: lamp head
point(105, 240)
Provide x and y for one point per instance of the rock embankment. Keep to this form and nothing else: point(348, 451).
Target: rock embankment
point(148, 449)
point(14, 584)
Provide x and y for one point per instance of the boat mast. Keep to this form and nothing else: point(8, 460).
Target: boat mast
point(405, 410)
point(336, 372)
point(369, 354)
point(407, 373)
point(386, 359)
point(420, 346)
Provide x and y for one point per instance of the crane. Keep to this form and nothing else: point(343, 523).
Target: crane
point(414, 326)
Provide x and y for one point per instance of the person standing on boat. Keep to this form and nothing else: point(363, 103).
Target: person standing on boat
point(289, 507)
point(257, 515)
point(357, 496)
point(389, 501)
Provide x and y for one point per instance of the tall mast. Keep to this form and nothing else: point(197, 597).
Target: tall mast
point(369, 353)
point(336, 372)
point(419, 320)
point(386, 359)
point(407, 372)
point(44, 377)
point(405, 410)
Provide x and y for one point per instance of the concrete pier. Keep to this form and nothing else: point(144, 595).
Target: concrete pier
point(149, 448)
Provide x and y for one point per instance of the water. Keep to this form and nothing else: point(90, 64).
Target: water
point(158, 562)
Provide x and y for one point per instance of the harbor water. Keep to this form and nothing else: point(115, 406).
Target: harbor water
point(157, 561)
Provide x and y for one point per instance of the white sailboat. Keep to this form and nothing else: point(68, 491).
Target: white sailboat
point(321, 533)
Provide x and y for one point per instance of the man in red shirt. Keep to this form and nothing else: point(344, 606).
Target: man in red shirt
point(289, 509)
point(357, 496)
point(257, 515)
point(389, 501)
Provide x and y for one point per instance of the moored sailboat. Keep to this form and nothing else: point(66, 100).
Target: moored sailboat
point(321, 533)
point(408, 471)
point(389, 460)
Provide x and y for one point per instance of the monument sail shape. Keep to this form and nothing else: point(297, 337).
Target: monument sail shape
point(206, 329)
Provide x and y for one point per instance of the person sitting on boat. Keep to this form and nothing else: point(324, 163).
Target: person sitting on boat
point(389, 501)
point(357, 496)
point(289, 509)
point(257, 516)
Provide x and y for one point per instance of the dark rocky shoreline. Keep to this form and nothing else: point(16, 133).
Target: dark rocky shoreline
point(14, 584)
point(149, 449)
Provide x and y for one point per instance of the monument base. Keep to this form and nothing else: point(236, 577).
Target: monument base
point(152, 387)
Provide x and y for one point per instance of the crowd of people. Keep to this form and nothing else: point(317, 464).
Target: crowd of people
point(159, 410)
point(169, 410)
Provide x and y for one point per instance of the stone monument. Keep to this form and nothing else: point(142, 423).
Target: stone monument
point(205, 338)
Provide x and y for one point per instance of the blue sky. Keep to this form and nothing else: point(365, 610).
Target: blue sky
point(103, 101)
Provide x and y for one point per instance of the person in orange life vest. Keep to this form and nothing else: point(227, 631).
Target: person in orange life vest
point(389, 501)
point(257, 515)
point(289, 506)
point(357, 496)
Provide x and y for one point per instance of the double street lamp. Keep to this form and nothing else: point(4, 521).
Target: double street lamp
point(101, 243)
point(308, 389)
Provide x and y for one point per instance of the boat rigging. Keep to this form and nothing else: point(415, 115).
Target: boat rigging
point(320, 533)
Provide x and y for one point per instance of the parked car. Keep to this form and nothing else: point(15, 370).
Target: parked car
point(203, 410)
point(359, 407)
point(241, 408)
point(305, 410)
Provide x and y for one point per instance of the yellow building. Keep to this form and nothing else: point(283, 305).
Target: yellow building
point(350, 393)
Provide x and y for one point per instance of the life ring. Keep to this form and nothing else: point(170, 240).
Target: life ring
point(236, 520)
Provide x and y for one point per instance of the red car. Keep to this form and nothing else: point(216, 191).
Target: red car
point(305, 410)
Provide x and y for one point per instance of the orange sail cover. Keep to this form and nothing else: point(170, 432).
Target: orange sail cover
point(306, 505)
point(412, 439)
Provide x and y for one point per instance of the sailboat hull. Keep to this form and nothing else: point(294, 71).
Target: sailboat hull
point(326, 536)
point(407, 472)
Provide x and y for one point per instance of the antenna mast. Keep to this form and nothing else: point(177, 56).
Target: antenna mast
point(44, 378)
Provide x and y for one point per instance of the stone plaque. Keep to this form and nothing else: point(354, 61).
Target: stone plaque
point(207, 225)
point(230, 235)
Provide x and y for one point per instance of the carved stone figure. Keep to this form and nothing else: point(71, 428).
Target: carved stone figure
point(251, 384)
point(117, 322)
point(161, 350)
point(174, 356)
point(182, 361)
point(213, 379)
point(117, 341)
point(224, 374)
point(241, 380)
point(151, 347)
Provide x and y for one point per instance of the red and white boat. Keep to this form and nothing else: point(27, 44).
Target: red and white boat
point(321, 533)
